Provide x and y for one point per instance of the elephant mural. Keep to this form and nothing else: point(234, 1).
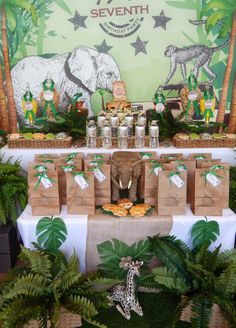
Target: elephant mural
point(126, 169)
point(82, 70)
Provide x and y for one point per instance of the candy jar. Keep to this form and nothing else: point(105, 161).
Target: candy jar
point(106, 135)
point(91, 133)
point(114, 125)
point(139, 135)
point(101, 118)
point(123, 135)
point(154, 134)
point(129, 119)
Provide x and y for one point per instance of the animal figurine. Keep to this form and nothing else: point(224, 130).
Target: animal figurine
point(126, 169)
point(126, 294)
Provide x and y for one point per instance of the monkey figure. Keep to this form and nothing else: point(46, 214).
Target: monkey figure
point(200, 53)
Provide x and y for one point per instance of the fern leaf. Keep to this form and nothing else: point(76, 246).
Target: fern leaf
point(170, 280)
point(201, 313)
point(38, 262)
point(172, 255)
point(226, 282)
point(82, 306)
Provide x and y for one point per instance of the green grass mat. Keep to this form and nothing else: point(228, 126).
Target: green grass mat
point(157, 309)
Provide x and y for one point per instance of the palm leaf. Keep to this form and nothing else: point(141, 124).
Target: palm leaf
point(63, 5)
point(218, 4)
point(214, 18)
point(51, 233)
point(226, 27)
point(204, 232)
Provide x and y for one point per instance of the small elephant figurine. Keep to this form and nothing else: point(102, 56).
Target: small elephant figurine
point(126, 169)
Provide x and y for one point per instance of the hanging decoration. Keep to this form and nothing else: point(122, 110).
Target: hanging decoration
point(50, 99)
point(192, 95)
point(207, 105)
point(29, 105)
point(159, 101)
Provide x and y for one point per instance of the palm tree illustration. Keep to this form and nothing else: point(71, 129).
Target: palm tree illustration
point(9, 20)
point(225, 13)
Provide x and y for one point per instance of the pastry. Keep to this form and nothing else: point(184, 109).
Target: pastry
point(125, 203)
point(38, 135)
point(206, 136)
point(230, 136)
point(137, 211)
point(61, 135)
point(194, 136)
point(217, 136)
point(50, 136)
point(146, 206)
point(182, 136)
point(14, 136)
point(119, 211)
point(108, 207)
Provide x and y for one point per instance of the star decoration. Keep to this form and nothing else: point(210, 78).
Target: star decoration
point(161, 20)
point(78, 21)
point(140, 46)
point(103, 47)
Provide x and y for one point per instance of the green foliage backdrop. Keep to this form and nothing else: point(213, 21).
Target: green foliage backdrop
point(64, 25)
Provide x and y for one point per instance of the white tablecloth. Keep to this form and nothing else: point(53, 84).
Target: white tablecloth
point(77, 230)
point(27, 155)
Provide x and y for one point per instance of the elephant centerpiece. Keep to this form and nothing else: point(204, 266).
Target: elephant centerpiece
point(126, 169)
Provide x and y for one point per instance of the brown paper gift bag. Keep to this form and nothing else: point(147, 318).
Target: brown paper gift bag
point(171, 157)
point(199, 158)
point(43, 158)
point(150, 180)
point(146, 156)
point(201, 164)
point(190, 166)
point(105, 157)
point(72, 158)
point(171, 193)
point(43, 190)
point(102, 175)
point(80, 193)
point(62, 168)
point(211, 195)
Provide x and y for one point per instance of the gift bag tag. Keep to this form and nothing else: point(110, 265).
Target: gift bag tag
point(157, 170)
point(212, 179)
point(176, 180)
point(68, 169)
point(99, 175)
point(46, 182)
point(181, 168)
point(80, 180)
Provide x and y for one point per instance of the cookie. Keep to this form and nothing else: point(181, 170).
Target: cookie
point(125, 203)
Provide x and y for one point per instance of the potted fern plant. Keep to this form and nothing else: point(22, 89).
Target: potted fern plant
point(13, 199)
point(205, 279)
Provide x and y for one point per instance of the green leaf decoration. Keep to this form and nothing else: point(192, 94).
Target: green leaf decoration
point(204, 232)
point(112, 251)
point(214, 18)
point(164, 277)
point(63, 5)
point(201, 313)
point(51, 233)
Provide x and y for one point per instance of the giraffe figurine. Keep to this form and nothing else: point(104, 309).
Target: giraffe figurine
point(126, 294)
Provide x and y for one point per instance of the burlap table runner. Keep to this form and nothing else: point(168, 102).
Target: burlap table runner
point(102, 227)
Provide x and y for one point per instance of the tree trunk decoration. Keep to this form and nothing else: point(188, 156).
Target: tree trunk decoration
point(229, 66)
point(232, 119)
point(9, 87)
point(4, 124)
